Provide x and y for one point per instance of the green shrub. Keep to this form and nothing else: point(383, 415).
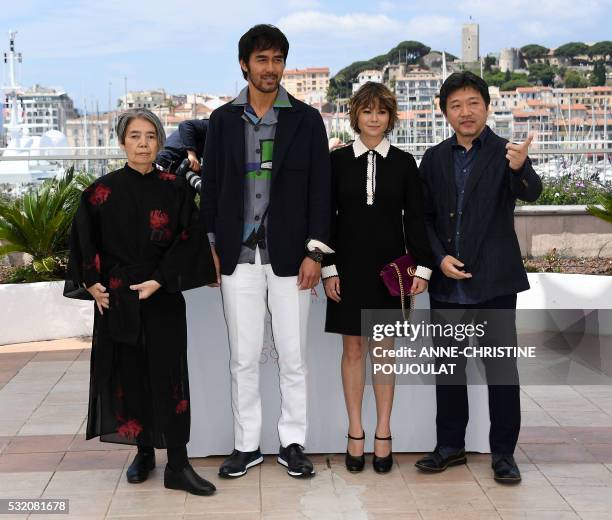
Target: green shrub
point(39, 224)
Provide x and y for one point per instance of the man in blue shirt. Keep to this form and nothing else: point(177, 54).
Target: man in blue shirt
point(471, 182)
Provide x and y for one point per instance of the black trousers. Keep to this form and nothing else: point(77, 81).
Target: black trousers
point(504, 399)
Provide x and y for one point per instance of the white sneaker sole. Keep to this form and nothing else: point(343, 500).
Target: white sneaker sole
point(249, 465)
point(294, 473)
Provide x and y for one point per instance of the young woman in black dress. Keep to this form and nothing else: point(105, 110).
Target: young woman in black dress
point(376, 216)
point(136, 244)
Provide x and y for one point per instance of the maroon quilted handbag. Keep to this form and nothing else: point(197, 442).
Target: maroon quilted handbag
point(398, 277)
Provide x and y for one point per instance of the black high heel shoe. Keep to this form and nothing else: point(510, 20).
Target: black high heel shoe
point(354, 464)
point(382, 464)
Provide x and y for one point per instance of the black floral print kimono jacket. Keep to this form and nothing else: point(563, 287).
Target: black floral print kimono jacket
point(130, 228)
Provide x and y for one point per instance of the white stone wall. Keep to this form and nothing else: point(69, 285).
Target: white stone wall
point(38, 311)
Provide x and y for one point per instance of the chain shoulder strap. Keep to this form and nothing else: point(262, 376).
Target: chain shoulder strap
point(402, 292)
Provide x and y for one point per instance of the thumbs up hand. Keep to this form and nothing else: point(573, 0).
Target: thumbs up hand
point(517, 153)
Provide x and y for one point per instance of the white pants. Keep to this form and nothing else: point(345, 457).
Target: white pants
point(244, 304)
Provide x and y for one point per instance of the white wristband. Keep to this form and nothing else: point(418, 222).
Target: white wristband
point(328, 271)
point(423, 272)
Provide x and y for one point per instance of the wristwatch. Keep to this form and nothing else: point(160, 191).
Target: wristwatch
point(317, 256)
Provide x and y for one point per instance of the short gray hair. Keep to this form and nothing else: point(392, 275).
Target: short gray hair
point(126, 117)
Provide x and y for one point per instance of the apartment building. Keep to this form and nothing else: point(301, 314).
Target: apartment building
point(45, 109)
point(301, 82)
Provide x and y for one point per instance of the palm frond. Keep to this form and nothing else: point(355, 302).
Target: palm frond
point(39, 222)
point(605, 211)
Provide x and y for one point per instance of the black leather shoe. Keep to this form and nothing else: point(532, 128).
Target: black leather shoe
point(238, 463)
point(353, 463)
point(187, 480)
point(434, 462)
point(140, 467)
point(298, 465)
point(382, 464)
point(505, 469)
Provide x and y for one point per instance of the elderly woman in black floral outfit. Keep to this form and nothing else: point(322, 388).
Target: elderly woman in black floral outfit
point(136, 244)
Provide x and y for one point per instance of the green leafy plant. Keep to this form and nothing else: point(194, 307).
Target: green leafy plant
point(53, 270)
point(605, 211)
point(570, 189)
point(39, 223)
point(529, 266)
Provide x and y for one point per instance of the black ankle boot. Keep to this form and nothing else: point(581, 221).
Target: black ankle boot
point(140, 467)
point(354, 464)
point(382, 464)
point(187, 480)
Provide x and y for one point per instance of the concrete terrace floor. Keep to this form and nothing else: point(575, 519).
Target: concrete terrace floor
point(565, 454)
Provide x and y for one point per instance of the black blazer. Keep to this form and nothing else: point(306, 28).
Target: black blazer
point(489, 247)
point(300, 187)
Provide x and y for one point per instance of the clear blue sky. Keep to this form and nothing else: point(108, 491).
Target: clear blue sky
point(191, 45)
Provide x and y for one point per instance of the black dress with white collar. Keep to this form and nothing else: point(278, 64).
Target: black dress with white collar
point(377, 215)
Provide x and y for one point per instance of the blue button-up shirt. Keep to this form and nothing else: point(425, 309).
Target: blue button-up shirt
point(463, 163)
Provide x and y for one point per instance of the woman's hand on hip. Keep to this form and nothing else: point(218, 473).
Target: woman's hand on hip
point(98, 291)
point(145, 289)
point(332, 288)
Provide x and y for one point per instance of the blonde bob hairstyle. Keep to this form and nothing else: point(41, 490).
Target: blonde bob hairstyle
point(373, 94)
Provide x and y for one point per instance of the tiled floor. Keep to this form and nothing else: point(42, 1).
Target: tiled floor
point(565, 454)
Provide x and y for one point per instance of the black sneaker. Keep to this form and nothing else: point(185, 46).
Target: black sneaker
point(298, 465)
point(239, 462)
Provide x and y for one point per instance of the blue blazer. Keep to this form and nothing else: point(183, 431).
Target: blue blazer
point(300, 192)
point(489, 247)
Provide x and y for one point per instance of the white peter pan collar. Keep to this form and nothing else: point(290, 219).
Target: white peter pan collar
point(382, 148)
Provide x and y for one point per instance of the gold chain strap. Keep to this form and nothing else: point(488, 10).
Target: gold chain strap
point(402, 294)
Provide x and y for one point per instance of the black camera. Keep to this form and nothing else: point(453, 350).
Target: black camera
point(194, 180)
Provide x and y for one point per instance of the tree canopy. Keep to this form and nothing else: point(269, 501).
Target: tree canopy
point(598, 77)
point(603, 48)
point(534, 51)
point(542, 73)
point(513, 84)
point(572, 49)
point(574, 80)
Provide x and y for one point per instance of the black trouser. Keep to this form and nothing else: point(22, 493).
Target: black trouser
point(504, 399)
point(177, 456)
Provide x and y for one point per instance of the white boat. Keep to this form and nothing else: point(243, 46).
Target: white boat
point(20, 143)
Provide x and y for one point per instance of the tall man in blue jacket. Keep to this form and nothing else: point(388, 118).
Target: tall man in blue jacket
point(471, 183)
point(266, 202)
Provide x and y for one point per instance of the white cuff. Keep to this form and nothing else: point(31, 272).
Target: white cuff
point(313, 245)
point(423, 272)
point(211, 238)
point(328, 271)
